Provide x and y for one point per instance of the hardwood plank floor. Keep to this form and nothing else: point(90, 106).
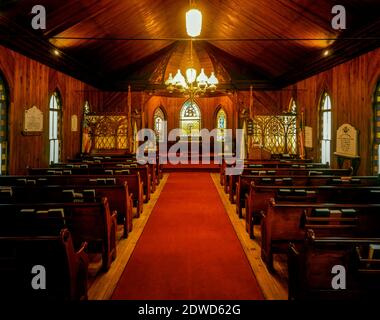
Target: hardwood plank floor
point(104, 284)
point(273, 285)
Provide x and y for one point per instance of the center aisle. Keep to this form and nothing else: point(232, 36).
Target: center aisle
point(188, 249)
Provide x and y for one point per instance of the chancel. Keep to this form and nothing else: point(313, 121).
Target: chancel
point(189, 150)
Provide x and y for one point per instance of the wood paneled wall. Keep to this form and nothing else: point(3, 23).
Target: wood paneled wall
point(351, 87)
point(32, 83)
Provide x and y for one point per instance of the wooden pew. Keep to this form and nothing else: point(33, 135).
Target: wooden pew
point(249, 163)
point(233, 180)
point(135, 186)
point(110, 164)
point(90, 222)
point(284, 223)
point(310, 268)
point(244, 184)
point(259, 197)
point(66, 268)
point(117, 194)
point(155, 168)
point(143, 172)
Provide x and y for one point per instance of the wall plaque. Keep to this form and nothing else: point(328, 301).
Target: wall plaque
point(308, 137)
point(74, 123)
point(33, 121)
point(347, 141)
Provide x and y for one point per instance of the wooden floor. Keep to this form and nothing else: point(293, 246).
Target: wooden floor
point(273, 285)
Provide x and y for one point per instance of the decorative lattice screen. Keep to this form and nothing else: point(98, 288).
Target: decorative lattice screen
point(276, 133)
point(108, 132)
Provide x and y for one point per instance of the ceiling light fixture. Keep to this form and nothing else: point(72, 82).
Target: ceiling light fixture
point(193, 22)
point(194, 83)
point(326, 53)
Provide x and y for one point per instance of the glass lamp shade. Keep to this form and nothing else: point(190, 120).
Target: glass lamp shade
point(213, 80)
point(191, 75)
point(202, 80)
point(170, 80)
point(202, 76)
point(184, 84)
point(193, 22)
point(179, 80)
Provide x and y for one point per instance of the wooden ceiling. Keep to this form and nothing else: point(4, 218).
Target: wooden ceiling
point(267, 43)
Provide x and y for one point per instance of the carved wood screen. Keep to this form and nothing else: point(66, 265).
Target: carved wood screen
point(276, 133)
point(107, 131)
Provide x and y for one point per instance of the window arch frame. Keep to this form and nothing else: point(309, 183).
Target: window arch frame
point(4, 129)
point(182, 117)
point(376, 130)
point(55, 132)
point(221, 135)
point(162, 115)
point(325, 127)
point(293, 107)
point(292, 132)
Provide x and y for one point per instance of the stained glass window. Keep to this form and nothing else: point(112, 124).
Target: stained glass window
point(86, 108)
point(135, 141)
point(158, 120)
point(326, 127)
point(376, 141)
point(3, 127)
point(190, 119)
point(293, 107)
point(55, 116)
point(221, 125)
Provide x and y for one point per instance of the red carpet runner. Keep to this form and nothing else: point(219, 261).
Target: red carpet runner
point(188, 249)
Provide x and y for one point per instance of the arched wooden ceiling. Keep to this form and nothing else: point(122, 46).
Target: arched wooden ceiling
point(267, 43)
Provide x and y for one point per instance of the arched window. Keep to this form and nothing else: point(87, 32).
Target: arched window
point(326, 128)
point(86, 107)
point(86, 135)
point(376, 141)
point(190, 119)
point(3, 126)
point(221, 125)
point(158, 122)
point(135, 142)
point(291, 129)
point(55, 118)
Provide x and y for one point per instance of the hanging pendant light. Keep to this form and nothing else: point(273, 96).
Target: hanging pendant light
point(193, 22)
point(193, 82)
point(212, 82)
point(202, 80)
point(191, 75)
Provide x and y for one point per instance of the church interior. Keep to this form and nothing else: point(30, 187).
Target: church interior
point(190, 150)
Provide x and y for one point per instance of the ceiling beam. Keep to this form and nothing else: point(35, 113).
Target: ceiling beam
point(341, 51)
point(42, 51)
